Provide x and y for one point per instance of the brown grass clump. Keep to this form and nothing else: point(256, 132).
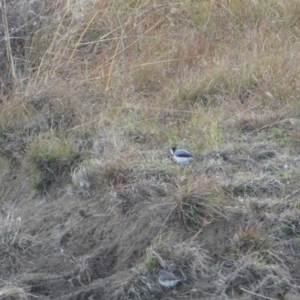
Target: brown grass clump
point(195, 205)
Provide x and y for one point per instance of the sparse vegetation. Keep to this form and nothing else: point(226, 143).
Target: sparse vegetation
point(92, 95)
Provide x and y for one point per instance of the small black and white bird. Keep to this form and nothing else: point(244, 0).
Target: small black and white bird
point(167, 279)
point(182, 156)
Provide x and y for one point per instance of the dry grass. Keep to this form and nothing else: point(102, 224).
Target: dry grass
point(95, 92)
point(14, 244)
point(10, 292)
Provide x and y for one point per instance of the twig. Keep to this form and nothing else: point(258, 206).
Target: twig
point(122, 35)
point(7, 40)
point(292, 194)
point(252, 293)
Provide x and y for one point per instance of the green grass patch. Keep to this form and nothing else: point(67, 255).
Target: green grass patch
point(51, 158)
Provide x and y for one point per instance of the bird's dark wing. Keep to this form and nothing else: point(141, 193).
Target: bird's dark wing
point(183, 153)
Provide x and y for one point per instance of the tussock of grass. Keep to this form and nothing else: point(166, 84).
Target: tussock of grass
point(250, 239)
point(51, 158)
point(10, 292)
point(196, 202)
point(115, 173)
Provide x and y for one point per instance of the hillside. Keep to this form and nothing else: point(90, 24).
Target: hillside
point(92, 96)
